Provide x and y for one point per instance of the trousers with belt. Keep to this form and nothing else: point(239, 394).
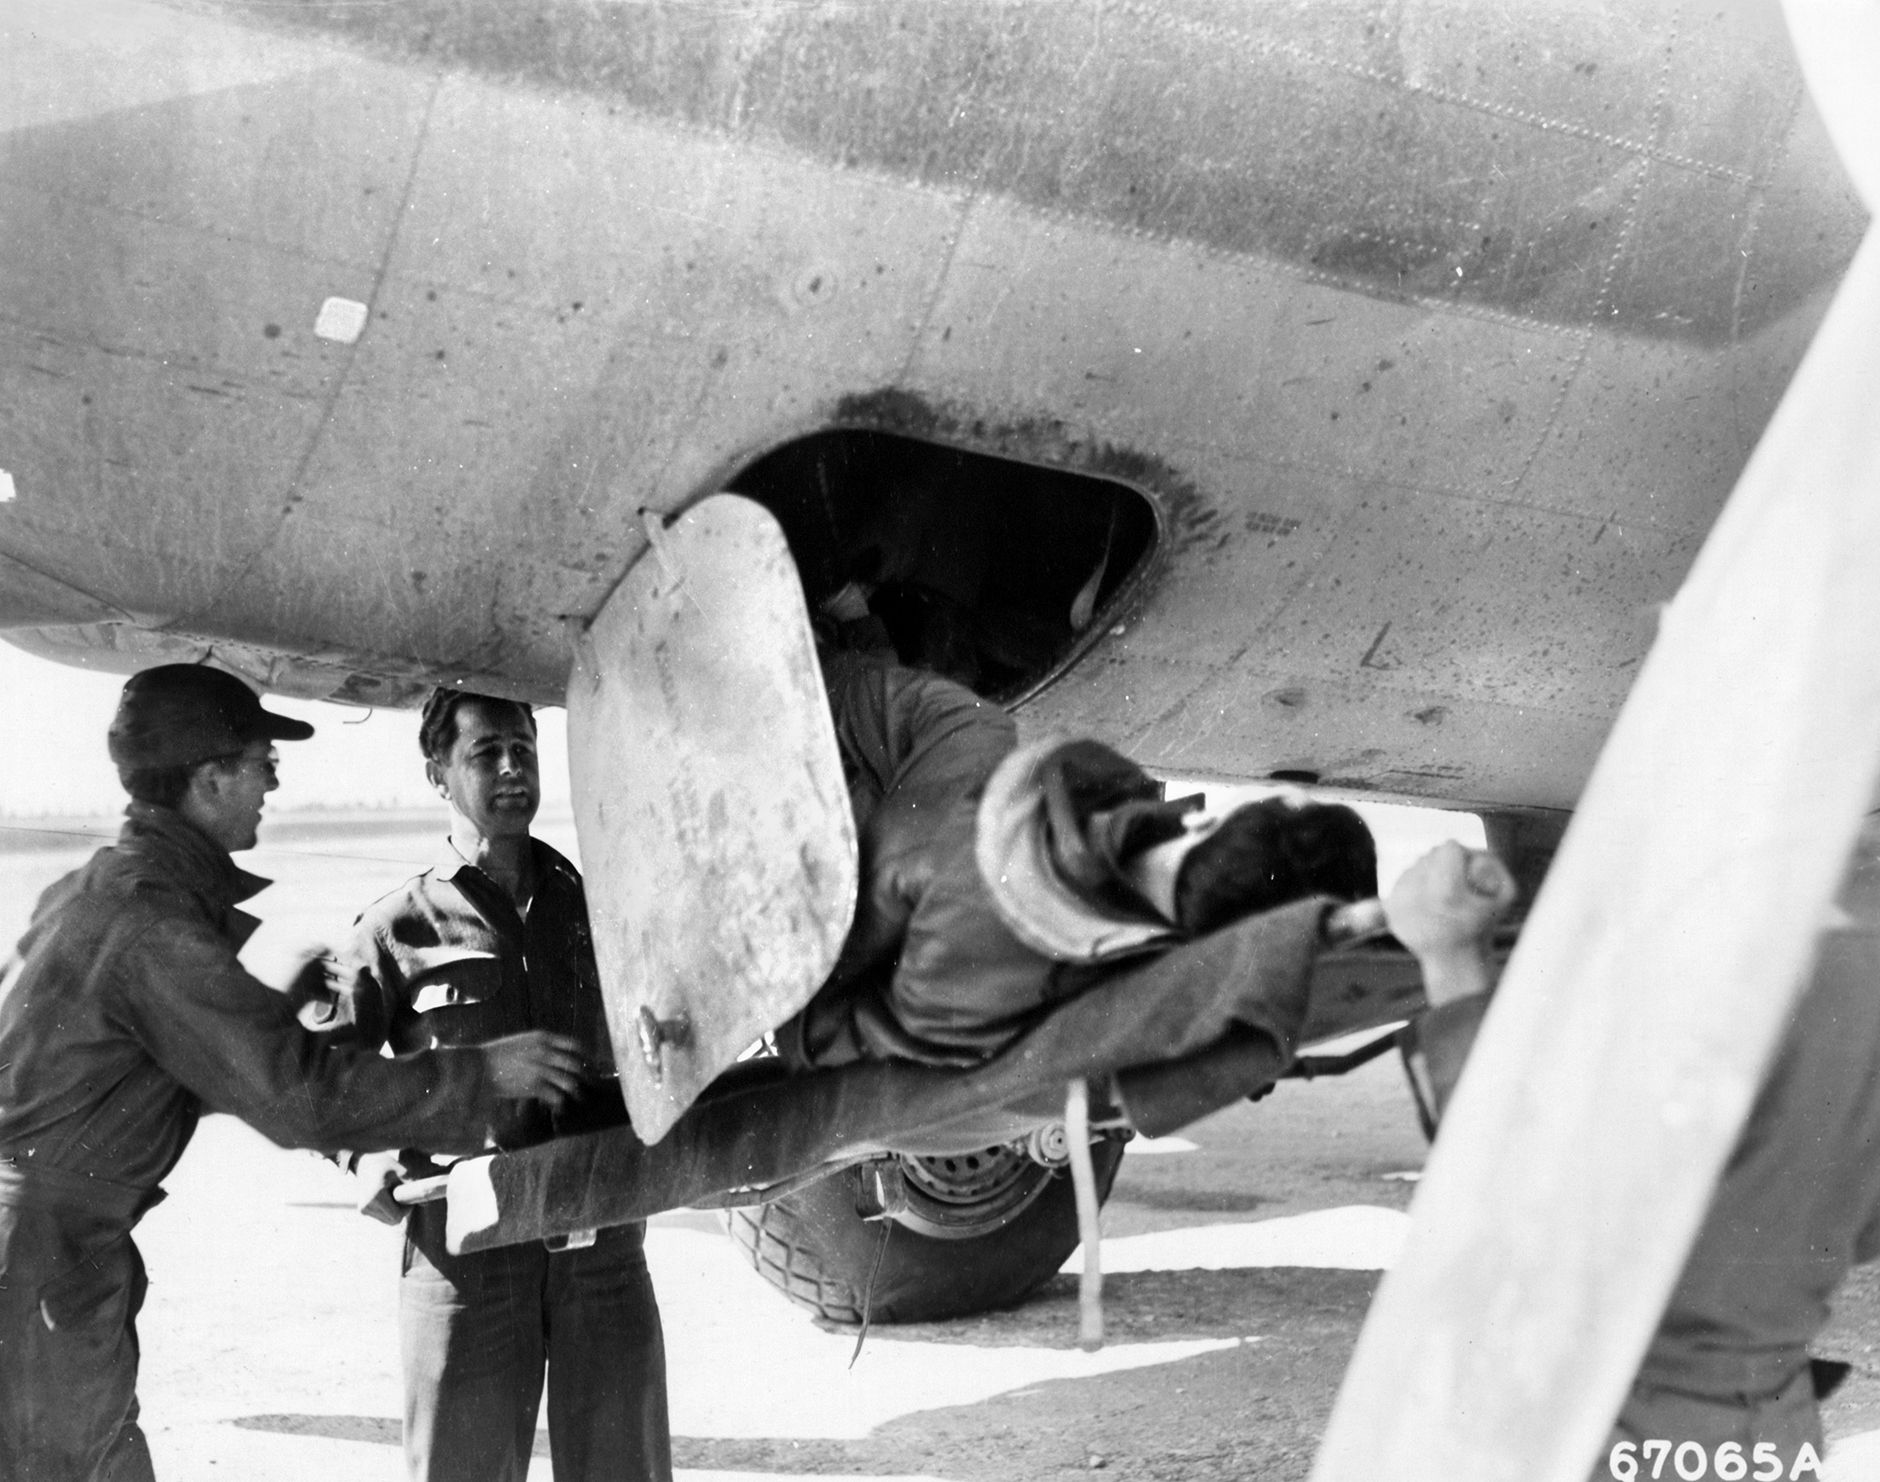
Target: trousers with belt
point(477, 1331)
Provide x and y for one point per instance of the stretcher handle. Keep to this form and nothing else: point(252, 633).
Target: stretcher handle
point(421, 1190)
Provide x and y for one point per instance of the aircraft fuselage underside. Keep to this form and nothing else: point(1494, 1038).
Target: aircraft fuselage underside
point(1432, 336)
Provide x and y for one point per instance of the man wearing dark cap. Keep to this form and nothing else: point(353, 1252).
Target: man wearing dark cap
point(124, 1015)
point(491, 939)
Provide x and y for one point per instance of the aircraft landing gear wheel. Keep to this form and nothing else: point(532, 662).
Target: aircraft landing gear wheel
point(976, 1233)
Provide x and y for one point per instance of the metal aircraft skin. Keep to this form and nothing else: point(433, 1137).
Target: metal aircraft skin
point(350, 342)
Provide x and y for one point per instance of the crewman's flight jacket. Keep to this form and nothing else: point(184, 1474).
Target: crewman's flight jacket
point(125, 1014)
point(916, 750)
point(943, 965)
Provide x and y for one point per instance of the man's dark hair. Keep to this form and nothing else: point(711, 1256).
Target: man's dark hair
point(163, 786)
point(437, 727)
point(1270, 853)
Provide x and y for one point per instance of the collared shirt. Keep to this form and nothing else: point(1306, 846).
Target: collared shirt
point(447, 959)
point(124, 1013)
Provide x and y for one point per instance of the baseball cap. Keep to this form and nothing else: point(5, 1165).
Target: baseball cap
point(178, 714)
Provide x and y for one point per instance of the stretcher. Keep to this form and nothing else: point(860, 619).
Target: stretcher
point(1227, 1015)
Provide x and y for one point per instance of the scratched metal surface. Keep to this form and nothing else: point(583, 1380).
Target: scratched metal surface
point(716, 841)
point(1436, 333)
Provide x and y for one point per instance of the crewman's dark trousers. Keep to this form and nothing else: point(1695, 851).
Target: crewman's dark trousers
point(71, 1284)
point(477, 1332)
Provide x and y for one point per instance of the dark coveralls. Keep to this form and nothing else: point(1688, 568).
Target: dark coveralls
point(445, 959)
point(123, 1016)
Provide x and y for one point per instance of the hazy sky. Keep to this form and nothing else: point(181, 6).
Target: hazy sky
point(52, 756)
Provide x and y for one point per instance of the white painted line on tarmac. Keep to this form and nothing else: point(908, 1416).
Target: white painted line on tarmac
point(1356, 1237)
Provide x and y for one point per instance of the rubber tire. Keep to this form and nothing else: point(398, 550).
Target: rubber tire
point(814, 1248)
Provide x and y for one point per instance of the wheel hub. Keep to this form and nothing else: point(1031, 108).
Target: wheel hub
point(962, 1196)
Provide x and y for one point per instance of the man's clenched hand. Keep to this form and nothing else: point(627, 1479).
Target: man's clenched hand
point(378, 1174)
point(534, 1065)
point(314, 987)
point(1444, 908)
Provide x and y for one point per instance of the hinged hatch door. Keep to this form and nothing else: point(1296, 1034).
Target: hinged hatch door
point(709, 801)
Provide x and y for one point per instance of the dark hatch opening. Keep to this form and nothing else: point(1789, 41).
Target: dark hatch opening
point(989, 571)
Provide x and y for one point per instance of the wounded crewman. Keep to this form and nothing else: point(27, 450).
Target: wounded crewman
point(1029, 917)
point(998, 881)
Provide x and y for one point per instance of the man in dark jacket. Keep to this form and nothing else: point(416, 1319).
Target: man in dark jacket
point(123, 1016)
